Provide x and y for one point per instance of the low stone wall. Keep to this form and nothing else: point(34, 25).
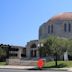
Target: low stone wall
point(21, 62)
point(28, 63)
point(13, 61)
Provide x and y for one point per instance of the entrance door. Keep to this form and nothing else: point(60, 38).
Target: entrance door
point(33, 53)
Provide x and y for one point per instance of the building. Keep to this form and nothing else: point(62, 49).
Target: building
point(59, 25)
point(17, 52)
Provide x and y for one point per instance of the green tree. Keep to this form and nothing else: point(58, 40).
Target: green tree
point(69, 48)
point(2, 51)
point(56, 46)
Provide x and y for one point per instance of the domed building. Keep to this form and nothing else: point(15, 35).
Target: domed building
point(59, 25)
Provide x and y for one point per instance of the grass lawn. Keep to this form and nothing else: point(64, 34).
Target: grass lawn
point(51, 64)
point(2, 63)
point(61, 64)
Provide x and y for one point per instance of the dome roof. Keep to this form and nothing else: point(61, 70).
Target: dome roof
point(61, 16)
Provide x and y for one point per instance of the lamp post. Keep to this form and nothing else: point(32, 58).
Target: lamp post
point(41, 61)
point(39, 46)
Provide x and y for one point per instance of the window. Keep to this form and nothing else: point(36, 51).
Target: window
point(51, 28)
point(23, 52)
point(14, 55)
point(69, 27)
point(48, 28)
point(13, 49)
point(23, 55)
point(33, 46)
point(65, 25)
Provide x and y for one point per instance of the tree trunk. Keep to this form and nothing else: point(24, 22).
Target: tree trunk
point(56, 59)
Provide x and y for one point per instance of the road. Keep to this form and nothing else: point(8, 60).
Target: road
point(15, 70)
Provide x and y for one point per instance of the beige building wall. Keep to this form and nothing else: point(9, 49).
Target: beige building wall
point(29, 49)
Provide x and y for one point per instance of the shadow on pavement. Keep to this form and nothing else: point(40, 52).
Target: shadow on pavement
point(56, 68)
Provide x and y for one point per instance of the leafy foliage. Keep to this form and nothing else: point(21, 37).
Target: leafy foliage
point(57, 46)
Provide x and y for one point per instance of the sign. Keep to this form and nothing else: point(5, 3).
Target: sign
point(40, 63)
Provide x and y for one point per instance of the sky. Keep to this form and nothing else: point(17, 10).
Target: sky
point(20, 19)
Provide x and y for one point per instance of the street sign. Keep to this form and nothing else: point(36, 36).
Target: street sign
point(40, 63)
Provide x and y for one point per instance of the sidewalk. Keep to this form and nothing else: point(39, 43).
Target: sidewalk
point(62, 69)
point(16, 67)
point(32, 67)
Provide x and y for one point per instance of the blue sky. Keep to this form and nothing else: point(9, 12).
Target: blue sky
point(20, 19)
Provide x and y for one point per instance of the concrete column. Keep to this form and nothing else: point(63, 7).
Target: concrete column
point(37, 53)
point(28, 52)
point(19, 53)
point(66, 56)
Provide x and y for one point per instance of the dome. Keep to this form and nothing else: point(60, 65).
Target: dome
point(61, 16)
point(59, 25)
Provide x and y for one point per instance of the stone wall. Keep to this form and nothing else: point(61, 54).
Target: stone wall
point(21, 62)
point(58, 29)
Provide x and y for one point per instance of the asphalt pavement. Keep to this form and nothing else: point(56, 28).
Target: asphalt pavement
point(17, 70)
point(11, 68)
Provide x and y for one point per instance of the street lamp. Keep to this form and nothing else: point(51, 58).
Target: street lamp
point(39, 46)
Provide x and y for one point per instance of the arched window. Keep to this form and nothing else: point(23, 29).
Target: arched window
point(51, 28)
point(48, 28)
point(69, 27)
point(65, 27)
point(33, 46)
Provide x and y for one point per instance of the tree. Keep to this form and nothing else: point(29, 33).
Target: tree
point(2, 52)
point(69, 49)
point(45, 50)
point(42, 52)
point(55, 46)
